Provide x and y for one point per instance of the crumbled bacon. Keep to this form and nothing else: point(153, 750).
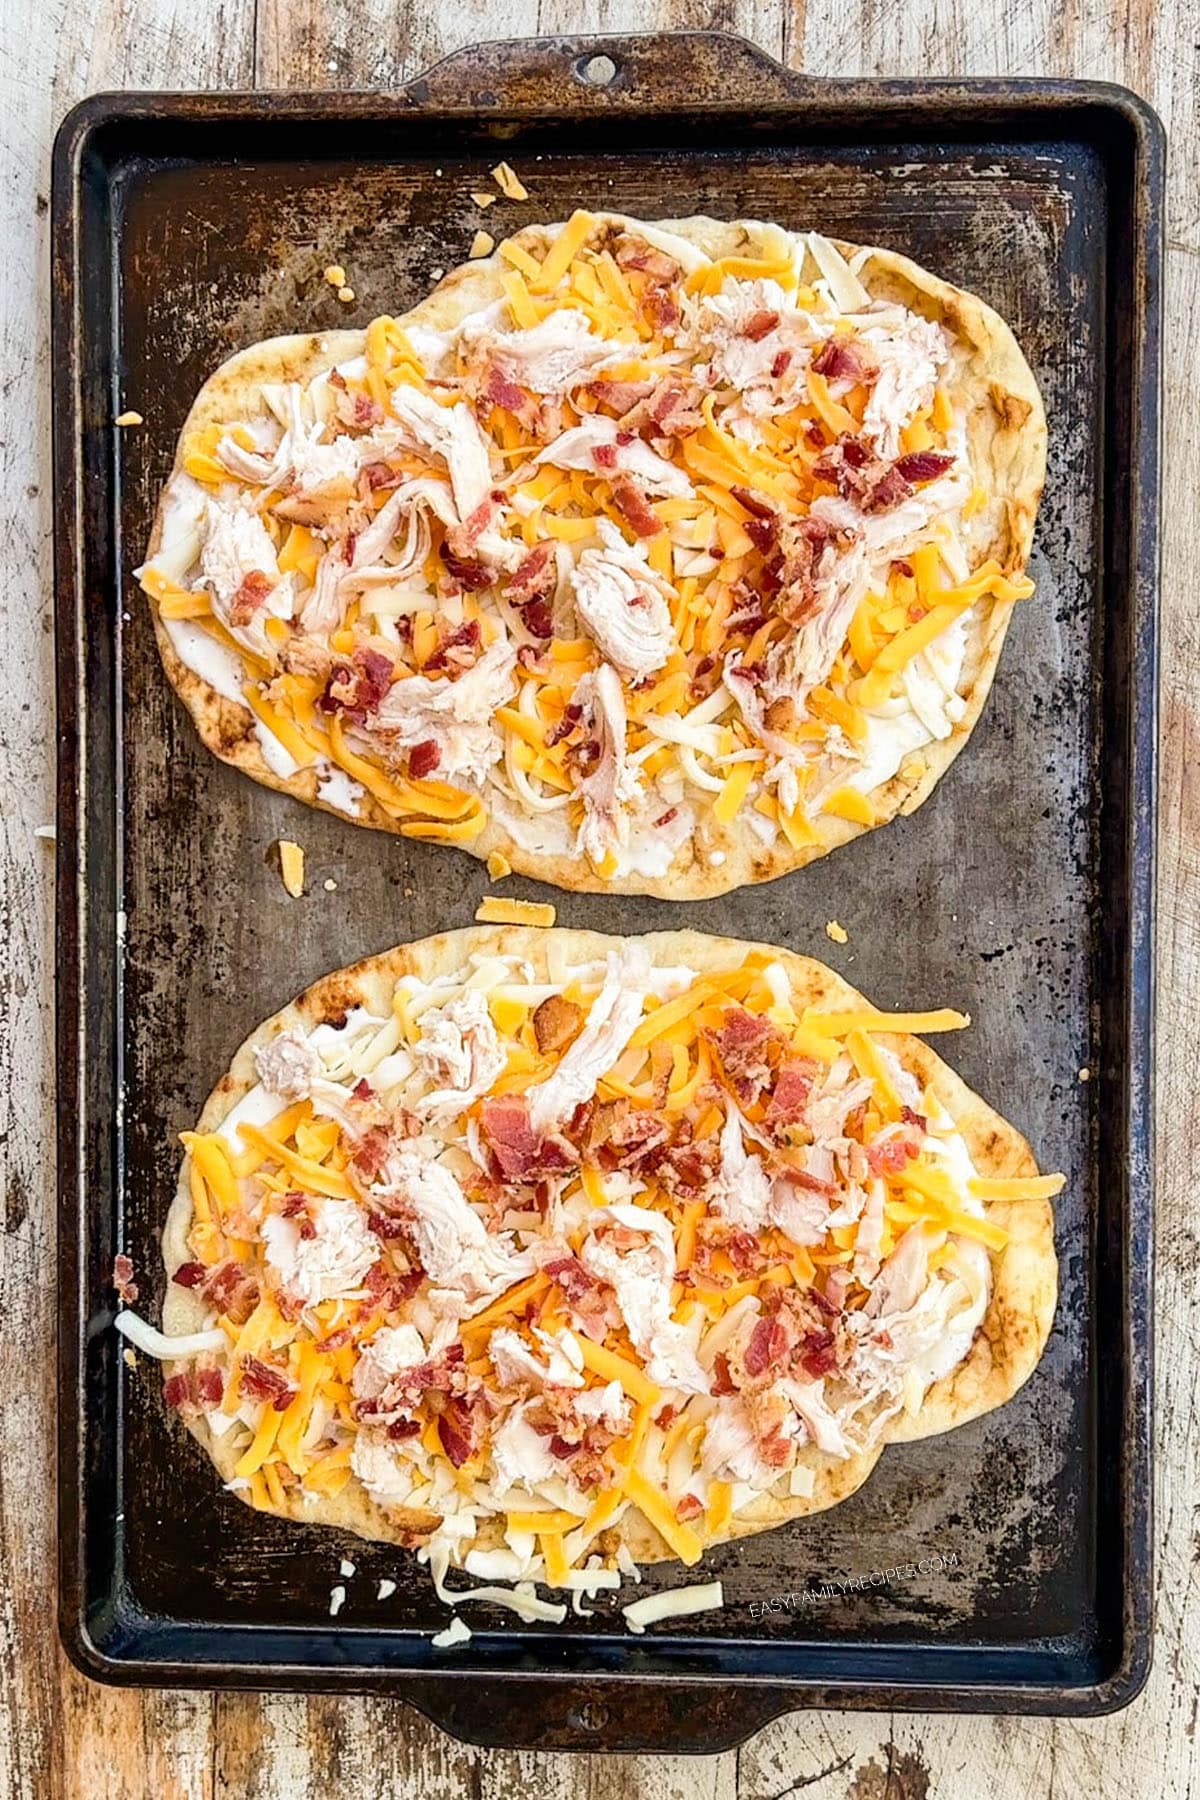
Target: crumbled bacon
point(538, 619)
point(605, 456)
point(467, 572)
point(759, 325)
point(622, 1135)
point(566, 725)
point(463, 538)
point(842, 359)
point(375, 475)
point(689, 1507)
point(503, 392)
point(789, 1097)
point(389, 1288)
point(122, 1279)
point(355, 688)
point(210, 1387)
point(622, 396)
point(403, 1428)
point(892, 1155)
point(423, 759)
point(517, 1151)
point(743, 1044)
point(661, 308)
point(633, 505)
point(745, 1251)
point(458, 649)
point(685, 1169)
point(780, 365)
point(861, 476)
point(753, 503)
point(263, 1381)
point(456, 1429)
point(189, 1274)
point(888, 491)
point(555, 1022)
point(635, 253)
point(672, 408)
point(534, 577)
point(255, 590)
point(230, 1290)
point(294, 1204)
point(370, 1153)
point(722, 1379)
point(923, 465)
point(910, 1117)
point(767, 1345)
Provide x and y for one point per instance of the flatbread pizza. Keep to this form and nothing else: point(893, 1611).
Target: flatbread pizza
point(647, 558)
point(542, 1250)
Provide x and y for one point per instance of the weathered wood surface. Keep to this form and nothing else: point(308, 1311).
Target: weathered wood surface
point(61, 1736)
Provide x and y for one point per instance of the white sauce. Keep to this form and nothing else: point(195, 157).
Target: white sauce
point(338, 789)
point(258, 1107)
point(211, 661)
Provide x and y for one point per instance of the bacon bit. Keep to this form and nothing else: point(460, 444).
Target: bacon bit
point(539, 621)
point(891, 1156)
point(355, 689)
point(571, 1276)
point(745, 1251)
point(759, 325)
point(781, 364)
point(362, 1089)
point(519, 1154)
point(742, 1044)
point(605, 456)
point(122, 1279)
point(262, 1381)
point(623, 1134)
point(633, 505)
point(189, 1274)
point(622, 396)
point(509, 183)
point(722, 1380)
point(769, 1341)
point(555, 1022)
point(423, 759)
point(635, 253)
point(210, 1387)
point(469, 574)
point(566, 725)
point(534, 577)
point(293, 1205)
point(229, 1290)
point(790, 1095)
point(403, 1428)
point(379, 475)
point(672, 812)
point(814, 432)
point(923, 465)
point(753, 503)
point(661, 308)
point(482, 244)
point(255, 590)
point(688, 1508)
point(456, 1428)
point(888, 491)
point(841, 359)
point(458, 650)
point(902, 566)
point(910, 1117)
point(176, 1390)
point(371, 1152)
point(501, 391)
point(687, 1168)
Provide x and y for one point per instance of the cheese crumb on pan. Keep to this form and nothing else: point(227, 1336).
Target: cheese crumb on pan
point(837, 932)
point(345, 294)
point(346, 1567)
point(678, 1603)
point(492, 910)
point(498, 865)
point(291, 867)
point(482, 244)
point(337, 1599)
point(484, 200)
point(456, 1632)
point(386, 1589)
point(129, 418)
point(509, 183)
point(335, 275)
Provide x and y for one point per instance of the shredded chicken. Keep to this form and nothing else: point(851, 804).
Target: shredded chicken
point(467, 1263)
point(578, 447)
point(287, 1065)
point(611, 783)
point(640, 1274)
point(741, 1191)
point(237, 557)
point(454, 715)
point(516, 1364)
point(551, 357)
point(451, 433)
point(460, 1050)
point(622, 604)
point(614, 1017)
point(909, 360)
point(332, 1262)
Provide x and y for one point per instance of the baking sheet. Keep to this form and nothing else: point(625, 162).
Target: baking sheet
point(1019, 892)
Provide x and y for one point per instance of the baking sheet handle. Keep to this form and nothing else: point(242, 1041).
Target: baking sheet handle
point(589, 76)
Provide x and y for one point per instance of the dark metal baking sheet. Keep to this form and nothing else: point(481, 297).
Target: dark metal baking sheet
point(188, 226)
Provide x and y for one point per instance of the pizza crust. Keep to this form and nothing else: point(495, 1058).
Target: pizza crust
point(1006, 433)
point(1006, 1348)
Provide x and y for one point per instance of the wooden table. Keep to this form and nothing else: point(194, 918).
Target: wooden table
point(61, 1736)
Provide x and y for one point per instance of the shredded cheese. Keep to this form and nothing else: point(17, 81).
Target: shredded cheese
point(494, 911)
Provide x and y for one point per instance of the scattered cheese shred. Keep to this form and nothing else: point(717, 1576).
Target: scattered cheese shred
point(291, 867)
point(677, 1603)
point(1017, 1187)
point(482, 244)
point(492, 910)
point(837, 1024)
point(507, 180)
point(837, 932)
point(498, 865)
point(129, 418)
point(483, 200)
point(335, 275)
point(456, 1632)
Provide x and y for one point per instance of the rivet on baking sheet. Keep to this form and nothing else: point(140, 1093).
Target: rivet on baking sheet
point(600, 71)
point(591, 1716)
